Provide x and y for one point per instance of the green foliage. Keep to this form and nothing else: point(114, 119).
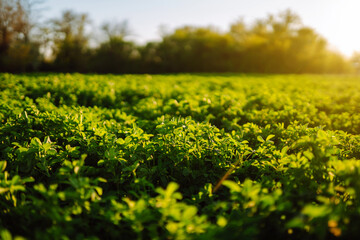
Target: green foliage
point(275, 44)
point(179, 157)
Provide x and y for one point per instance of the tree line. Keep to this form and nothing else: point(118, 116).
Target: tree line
point(275, 44)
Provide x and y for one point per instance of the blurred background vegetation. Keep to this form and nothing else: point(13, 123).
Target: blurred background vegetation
point(276, 44)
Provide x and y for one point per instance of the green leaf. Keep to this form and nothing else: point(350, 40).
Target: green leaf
point(99, 190)
point(269, 137)
point(35, 142)
point(17, 188)
point(3, 190)
point(234, 187)
point(171, 188)
point(260, 139)
point(2, 166)
point(5, 234)
point(16, 179)
point(221, 221)
point(297, 222)
point(189, 212)
point(316, 211)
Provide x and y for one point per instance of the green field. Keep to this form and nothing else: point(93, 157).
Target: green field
point(179, 156)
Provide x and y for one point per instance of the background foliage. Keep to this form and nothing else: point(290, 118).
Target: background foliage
point(276, 44)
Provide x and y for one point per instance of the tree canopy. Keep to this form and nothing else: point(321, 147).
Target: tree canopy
point(275, 44)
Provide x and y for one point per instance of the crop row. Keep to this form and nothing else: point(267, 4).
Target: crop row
point(179, 156)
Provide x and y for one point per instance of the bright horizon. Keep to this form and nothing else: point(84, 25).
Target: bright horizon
point(333, 19)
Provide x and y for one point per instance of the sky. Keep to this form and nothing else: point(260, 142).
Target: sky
point(336, 20)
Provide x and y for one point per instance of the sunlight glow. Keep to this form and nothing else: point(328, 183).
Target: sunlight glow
point(334, 19)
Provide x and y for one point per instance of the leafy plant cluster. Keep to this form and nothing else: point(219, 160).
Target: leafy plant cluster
point(179, 157)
